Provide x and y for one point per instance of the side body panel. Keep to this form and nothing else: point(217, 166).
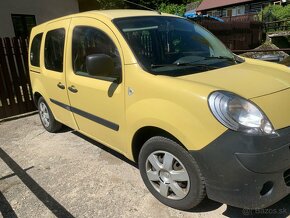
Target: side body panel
point(45, 81)
point(101, 100)
point(178, 107)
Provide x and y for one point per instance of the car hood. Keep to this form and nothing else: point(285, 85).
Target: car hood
point(276, 106)
point(250, 79)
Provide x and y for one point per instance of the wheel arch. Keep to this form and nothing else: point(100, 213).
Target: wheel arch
point(145, 133)
point(36, 96)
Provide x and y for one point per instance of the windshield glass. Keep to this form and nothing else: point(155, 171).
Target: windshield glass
point(173, 46)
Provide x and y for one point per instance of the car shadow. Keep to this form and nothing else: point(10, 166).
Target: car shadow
point(105, 148)
point(206, 205)
point(65, 129)
point(280, 210)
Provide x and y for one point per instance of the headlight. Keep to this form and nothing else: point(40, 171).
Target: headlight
point(239, 114)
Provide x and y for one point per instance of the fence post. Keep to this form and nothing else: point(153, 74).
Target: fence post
point(21, 68)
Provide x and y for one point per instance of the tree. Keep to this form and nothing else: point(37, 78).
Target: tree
point(172, 9)
point(110, 4)
point(154, 4)
point(274, 12)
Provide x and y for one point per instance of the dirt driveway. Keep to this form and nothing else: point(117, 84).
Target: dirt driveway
point(69, 175)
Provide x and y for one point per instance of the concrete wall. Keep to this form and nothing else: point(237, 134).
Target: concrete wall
point(43, 10)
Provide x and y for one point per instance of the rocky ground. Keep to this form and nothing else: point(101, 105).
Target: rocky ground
point(286, 61)
point(69, 175)
point(285, 58)
point(266, 45)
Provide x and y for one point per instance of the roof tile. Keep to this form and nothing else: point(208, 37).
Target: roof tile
point(210, 4)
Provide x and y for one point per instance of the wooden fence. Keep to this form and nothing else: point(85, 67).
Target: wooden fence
point(242, 18)
point(237, 35)
point(280, 25)
point(15, 88)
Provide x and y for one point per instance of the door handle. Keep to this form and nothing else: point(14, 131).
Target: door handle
point(73, 89)
point(60, 85)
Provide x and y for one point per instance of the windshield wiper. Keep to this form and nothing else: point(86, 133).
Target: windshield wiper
point(180, 64)
point(220, 57)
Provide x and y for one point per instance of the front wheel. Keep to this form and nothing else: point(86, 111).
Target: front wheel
point(47, 119)
point(171, 173)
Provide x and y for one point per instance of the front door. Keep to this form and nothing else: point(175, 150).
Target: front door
point(97, 100)
point(53, 69)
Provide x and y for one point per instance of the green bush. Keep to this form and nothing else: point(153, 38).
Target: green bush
point(172, 9)
point(275, 12)
point(109, 4)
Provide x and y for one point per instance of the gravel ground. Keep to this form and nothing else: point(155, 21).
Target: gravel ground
point(69, 175)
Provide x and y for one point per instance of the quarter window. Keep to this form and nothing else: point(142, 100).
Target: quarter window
point(35, 50)
point(88, 41)
point(54, 49)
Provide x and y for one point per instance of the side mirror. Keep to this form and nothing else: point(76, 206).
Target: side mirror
point(100, 65)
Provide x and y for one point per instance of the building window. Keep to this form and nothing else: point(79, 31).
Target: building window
point(218, 13)
point(215, 13)
point(23, 24)
point(240, 10)
point(224, 13)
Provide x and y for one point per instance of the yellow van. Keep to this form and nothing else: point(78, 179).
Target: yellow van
point(167, 94)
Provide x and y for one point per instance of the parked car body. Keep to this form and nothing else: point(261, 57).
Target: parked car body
point(167, 94)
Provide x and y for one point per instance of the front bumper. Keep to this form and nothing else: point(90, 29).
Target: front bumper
point(246, 171)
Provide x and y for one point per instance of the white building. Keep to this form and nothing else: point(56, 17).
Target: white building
point(17, 17)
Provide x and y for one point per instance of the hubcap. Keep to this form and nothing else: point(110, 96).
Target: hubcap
point(164, 176)
point(44, 115)
point(167, 175)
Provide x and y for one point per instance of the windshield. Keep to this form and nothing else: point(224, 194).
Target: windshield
point(173, 46)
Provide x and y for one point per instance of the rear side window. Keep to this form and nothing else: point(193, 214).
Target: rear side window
point(35, 50)
point(54, 49)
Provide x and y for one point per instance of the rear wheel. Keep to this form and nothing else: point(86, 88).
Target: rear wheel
point(171, 173)
point(47, 119)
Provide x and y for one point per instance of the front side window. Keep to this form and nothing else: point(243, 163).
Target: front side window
point(35, 50)
point(173, 46)
point(89, 41)
point(54, 49)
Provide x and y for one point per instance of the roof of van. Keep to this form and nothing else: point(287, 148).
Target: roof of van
point(120, 13)
point(107, 14)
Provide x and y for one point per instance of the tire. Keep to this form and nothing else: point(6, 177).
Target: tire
point(47, 119)
point(161, 159)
